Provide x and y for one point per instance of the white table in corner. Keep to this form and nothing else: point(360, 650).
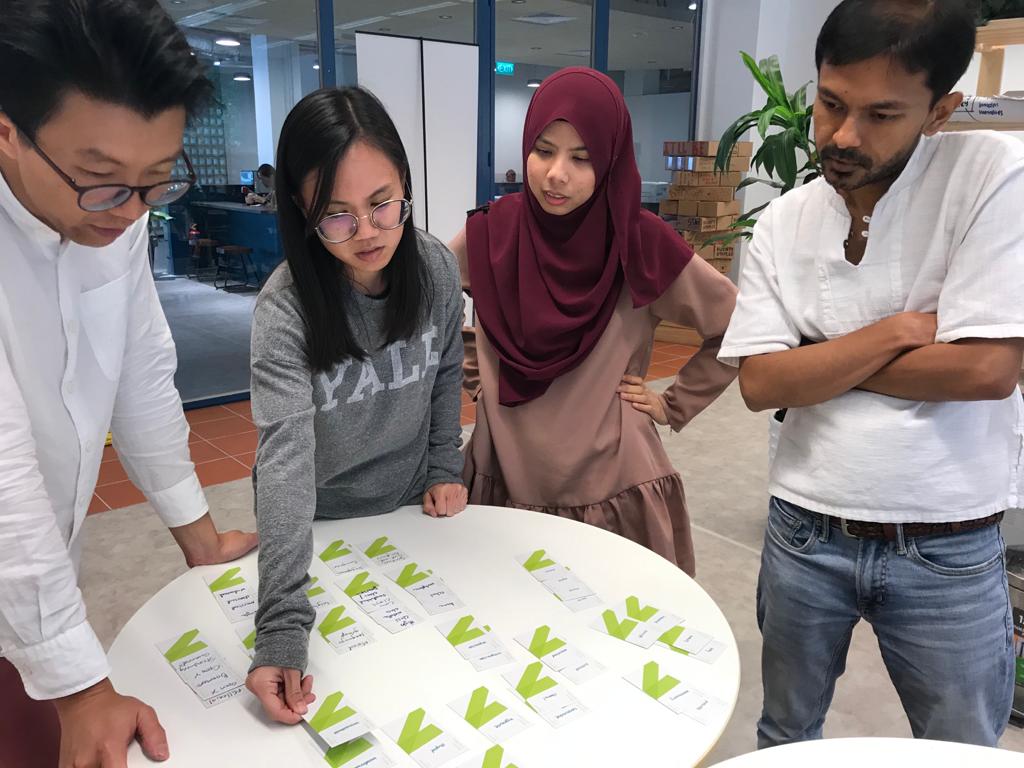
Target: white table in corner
point(475, 553)
point(859, 753)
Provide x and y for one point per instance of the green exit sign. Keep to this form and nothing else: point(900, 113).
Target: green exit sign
point(505, 68)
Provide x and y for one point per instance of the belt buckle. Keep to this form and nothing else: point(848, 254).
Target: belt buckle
point(844, 524)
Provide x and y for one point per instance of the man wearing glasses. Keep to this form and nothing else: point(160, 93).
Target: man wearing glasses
point(93, 103)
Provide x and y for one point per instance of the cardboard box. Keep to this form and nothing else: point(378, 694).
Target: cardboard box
point(722, 265)
point(690, 207)
point(705, 148)
point(703, 224)
point(704, 164)
point(728, 179)
point(715, 209)
point(707, 194)
point(668, 207)
point(715, 250)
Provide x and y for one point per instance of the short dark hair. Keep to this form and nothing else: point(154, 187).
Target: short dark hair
point(317, 133)
point(936, 37)
point(126, 52)
point(265, 170)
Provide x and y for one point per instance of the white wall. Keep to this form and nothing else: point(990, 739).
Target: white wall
point(657, 118)
point(239, 126)
point(511, 100)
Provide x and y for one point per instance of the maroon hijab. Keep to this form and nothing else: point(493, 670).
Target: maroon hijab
point(545, 286)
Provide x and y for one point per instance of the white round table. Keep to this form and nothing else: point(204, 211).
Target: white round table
point(880, 753)
point(474, 553)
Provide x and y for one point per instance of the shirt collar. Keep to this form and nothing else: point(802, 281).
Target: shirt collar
point(25, 219)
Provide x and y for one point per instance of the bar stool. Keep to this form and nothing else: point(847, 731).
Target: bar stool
point(203, 258)
point(232, 261)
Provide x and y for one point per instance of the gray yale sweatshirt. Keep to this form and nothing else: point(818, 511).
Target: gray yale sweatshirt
point(361, 439)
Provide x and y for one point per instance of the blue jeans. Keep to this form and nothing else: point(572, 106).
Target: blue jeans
point(939, 606)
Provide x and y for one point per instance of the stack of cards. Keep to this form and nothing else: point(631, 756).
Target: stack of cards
point(475, 643)
point(233, 594)
point(201, 668)
point(559, 656)
point(378, 604)
point(545, 696)
point(340, 631)
point(493, 758)
point(489, 716)
point(559, 580)
point(644, 625)
point(423, 740)
point(430, 592)
point(340, 558)
point(678, 697)
point(383, 554)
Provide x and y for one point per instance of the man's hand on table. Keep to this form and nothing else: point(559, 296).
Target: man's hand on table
point(445, 499)
point(98, 724)
point(283, 692)
point(203, 544)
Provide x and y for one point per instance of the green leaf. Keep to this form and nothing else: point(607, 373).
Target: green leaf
point(785, 158)
point(744, 223)
point(765, 121)
point(754, 211)
point(770, 68)
point(726, 238)
point(759, 76)
point(751, 180)
point(799, 99)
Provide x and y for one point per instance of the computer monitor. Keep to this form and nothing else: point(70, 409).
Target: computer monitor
point(247, 177)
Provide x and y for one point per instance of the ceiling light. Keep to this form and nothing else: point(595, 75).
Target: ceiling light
point(424, 8)
point(444, 16)
point(360, 23)
point(518, 2)
point(228, 42)
point(242, 79)
point(536, 48)
point(383, 29)
point(216, 63)
point(533, 84)
point(693, 6)
point(177, 2)
point(678, 26)
point(316, 66)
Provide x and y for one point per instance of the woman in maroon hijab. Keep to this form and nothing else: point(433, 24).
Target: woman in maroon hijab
point(569, 280)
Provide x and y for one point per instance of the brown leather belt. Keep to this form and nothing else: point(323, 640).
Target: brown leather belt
point(859, 529)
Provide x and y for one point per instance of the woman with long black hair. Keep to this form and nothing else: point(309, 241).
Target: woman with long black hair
point(356, 365)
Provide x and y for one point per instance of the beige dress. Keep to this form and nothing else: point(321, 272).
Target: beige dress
point(581, 452)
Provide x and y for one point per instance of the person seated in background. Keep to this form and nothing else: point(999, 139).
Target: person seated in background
point(91, 132)
point(356, 365)
point(881, 306)
point(264, 192)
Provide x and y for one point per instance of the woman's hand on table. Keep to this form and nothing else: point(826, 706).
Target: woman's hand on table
point(633, 390)
point(283, 692)
point(445, 499)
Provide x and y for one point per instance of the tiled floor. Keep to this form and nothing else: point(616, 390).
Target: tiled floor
point(223, 439)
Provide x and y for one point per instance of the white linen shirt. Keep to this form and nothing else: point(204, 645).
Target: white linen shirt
point(947, 238)
point(84, 347)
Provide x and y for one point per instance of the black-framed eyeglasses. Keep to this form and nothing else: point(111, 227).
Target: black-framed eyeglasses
point(104, 197)
point(341, 227)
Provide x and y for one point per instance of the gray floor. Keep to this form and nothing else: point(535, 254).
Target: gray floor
point(722, 457)
point(211, 332)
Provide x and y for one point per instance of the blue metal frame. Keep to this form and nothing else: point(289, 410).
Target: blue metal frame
point(484, 32)
point(599, 34)
point(325, 43)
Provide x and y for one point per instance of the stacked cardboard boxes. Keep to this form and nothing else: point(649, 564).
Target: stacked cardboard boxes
point(701, 202)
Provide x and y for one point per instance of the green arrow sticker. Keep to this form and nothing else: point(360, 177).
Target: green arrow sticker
point(334, 622)
point(410, 576)
point(541, 645)
point(669, 638)
point(464, 631)
point(313, 590)
point(537, 560)
point(492, 758)
point(226, 580)
point(361, 583)
point(531, 683)
point(249, 641)
point(330, 714)
point(413, 735)
point(620, 629)
point(479, 712)
point(379, 547)
point(655, 686)
point(636, 611)
point(184, 646)
point(344, 753)
point(335, 550)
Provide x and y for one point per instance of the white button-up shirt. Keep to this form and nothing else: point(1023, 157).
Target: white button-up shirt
point(947, 238)
point(84, 348)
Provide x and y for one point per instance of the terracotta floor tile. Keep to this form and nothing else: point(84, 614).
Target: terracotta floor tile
point(236, 444)
point(111, 472)
point(200, 415)
point(194, 438)
point(221, 471)
point(109, 454)
point(233, 425)
point(243, 409)
point(97, 505)
point(203, 452)
point(661, 357)
point(247, 458)
point(123, 494)
point(661, 372)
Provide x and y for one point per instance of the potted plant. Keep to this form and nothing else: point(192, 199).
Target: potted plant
point(787, 157)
